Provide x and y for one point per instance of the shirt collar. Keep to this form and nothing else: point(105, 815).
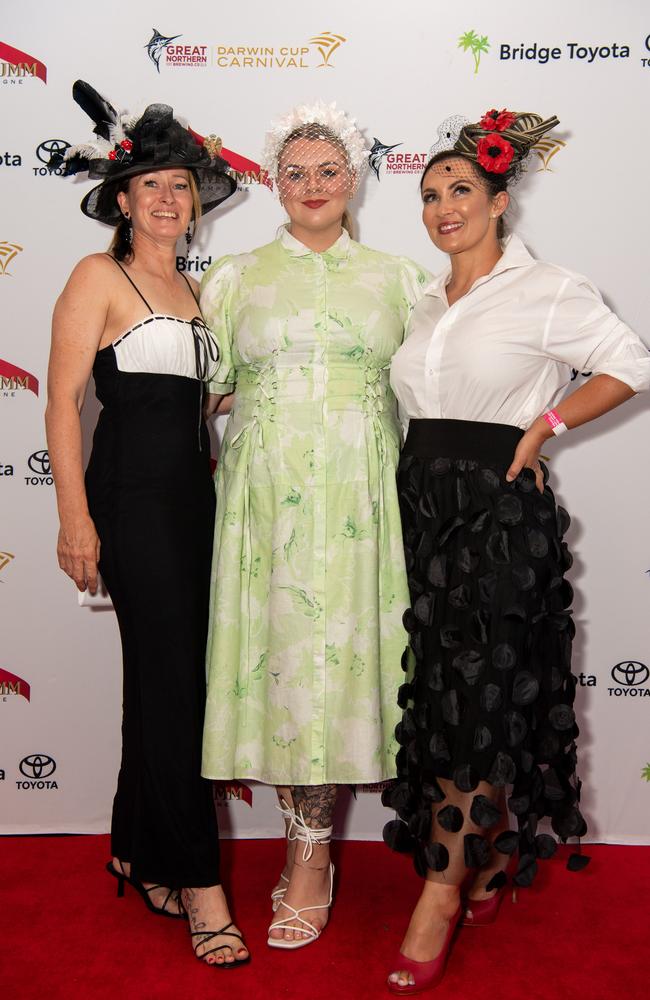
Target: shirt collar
point(338, 251)
point(514, 255)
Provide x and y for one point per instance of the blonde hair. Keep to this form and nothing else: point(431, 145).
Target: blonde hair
point(323, 132)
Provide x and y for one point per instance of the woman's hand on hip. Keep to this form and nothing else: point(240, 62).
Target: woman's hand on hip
point(527, 457)
point(78, 553)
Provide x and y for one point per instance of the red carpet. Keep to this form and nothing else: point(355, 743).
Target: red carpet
point(64, 934)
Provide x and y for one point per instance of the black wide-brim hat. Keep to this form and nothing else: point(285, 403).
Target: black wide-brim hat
point(126, 147)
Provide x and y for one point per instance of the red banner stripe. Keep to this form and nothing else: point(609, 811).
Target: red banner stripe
point(14, 56)
point(7, 677)
point(7, 370)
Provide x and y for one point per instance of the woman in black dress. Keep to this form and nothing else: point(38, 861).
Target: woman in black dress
point(489, 691)
point(144, 517)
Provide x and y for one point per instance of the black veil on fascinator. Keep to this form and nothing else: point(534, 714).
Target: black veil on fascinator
point(126, 145)
point(499, 143)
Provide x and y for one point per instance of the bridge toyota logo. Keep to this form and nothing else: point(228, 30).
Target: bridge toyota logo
point(37, 770)
point(631, 679)
point(39, 464)
point(44, 153)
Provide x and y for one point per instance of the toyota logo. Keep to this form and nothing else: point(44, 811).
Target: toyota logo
point(37, 765)
point(46, 150)
point(39, 462)
point(647, 42)
point(630, 673)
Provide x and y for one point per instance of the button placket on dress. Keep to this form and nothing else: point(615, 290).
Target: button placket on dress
point(319, 689)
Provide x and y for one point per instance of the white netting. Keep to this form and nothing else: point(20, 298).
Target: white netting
point(314, 123)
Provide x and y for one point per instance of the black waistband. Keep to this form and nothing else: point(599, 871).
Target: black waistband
point(470, 439)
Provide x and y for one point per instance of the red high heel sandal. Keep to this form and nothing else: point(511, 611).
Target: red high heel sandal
point(480, 912)
point(425, 974)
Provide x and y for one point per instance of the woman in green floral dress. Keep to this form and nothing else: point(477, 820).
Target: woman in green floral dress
point(308, 578)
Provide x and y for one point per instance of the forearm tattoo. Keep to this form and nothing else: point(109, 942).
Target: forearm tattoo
point(316, 803)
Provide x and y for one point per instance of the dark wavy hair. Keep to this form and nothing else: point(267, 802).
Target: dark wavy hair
point(493, 183)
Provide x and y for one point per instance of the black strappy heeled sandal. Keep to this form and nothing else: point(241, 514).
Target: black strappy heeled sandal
point(162, 911)
point(208, 935)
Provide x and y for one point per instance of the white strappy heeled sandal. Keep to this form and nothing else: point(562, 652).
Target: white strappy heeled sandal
point(307, 836)
point(289, 814)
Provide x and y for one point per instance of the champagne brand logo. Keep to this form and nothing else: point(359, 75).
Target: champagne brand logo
point(17, 66)
point(14, 379)
point(226, 791)
point(13, 685)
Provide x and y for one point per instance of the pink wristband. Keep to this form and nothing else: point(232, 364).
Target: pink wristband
point(555, 422)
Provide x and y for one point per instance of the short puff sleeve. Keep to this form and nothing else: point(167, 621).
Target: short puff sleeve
point(217, 288)
point(584, 333)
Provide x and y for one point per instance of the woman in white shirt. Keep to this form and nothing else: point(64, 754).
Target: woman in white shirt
point(489, 691)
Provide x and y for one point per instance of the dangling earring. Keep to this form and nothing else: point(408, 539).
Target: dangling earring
point(188, 237)
point(129, 229)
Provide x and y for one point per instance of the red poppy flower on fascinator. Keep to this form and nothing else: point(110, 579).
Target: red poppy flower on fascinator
point(494, 153)
point(497, 121)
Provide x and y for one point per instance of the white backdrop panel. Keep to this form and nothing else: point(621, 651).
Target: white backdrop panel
point(400, 71)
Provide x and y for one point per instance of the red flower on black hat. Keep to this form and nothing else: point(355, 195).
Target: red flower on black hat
point(494, 153)
point(497, 121)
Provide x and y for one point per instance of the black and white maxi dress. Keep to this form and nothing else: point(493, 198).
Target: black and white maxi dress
point(488, 693)
point(151, 497)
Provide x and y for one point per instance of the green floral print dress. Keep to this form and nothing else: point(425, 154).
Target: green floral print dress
point(308, 577)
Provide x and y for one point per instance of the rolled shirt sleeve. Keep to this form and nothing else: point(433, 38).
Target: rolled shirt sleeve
point(584, 333)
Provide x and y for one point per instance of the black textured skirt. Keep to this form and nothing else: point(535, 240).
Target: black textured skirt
point(489, 692)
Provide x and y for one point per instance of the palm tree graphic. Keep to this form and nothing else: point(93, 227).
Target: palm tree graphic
point(645, 772)
point(327, 43)
point(477, 44)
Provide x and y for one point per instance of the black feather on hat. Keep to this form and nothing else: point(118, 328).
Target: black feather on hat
point(129, 145)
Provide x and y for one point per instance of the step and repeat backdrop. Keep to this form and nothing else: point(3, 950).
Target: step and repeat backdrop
point(229, 69)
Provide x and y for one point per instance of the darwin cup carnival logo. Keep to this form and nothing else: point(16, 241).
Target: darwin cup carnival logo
point(631, 680)
point(17, 66)
point(326, 44)
point(11, 685)
point(14, 379)
point(8, 252)
point(5, 559)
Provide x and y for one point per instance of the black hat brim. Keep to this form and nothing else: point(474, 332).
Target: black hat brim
point(213, 183)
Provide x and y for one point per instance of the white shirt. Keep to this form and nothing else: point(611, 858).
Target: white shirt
point(503, 353)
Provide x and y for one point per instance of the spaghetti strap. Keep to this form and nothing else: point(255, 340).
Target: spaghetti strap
point(189, 285)
point(132, 282)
